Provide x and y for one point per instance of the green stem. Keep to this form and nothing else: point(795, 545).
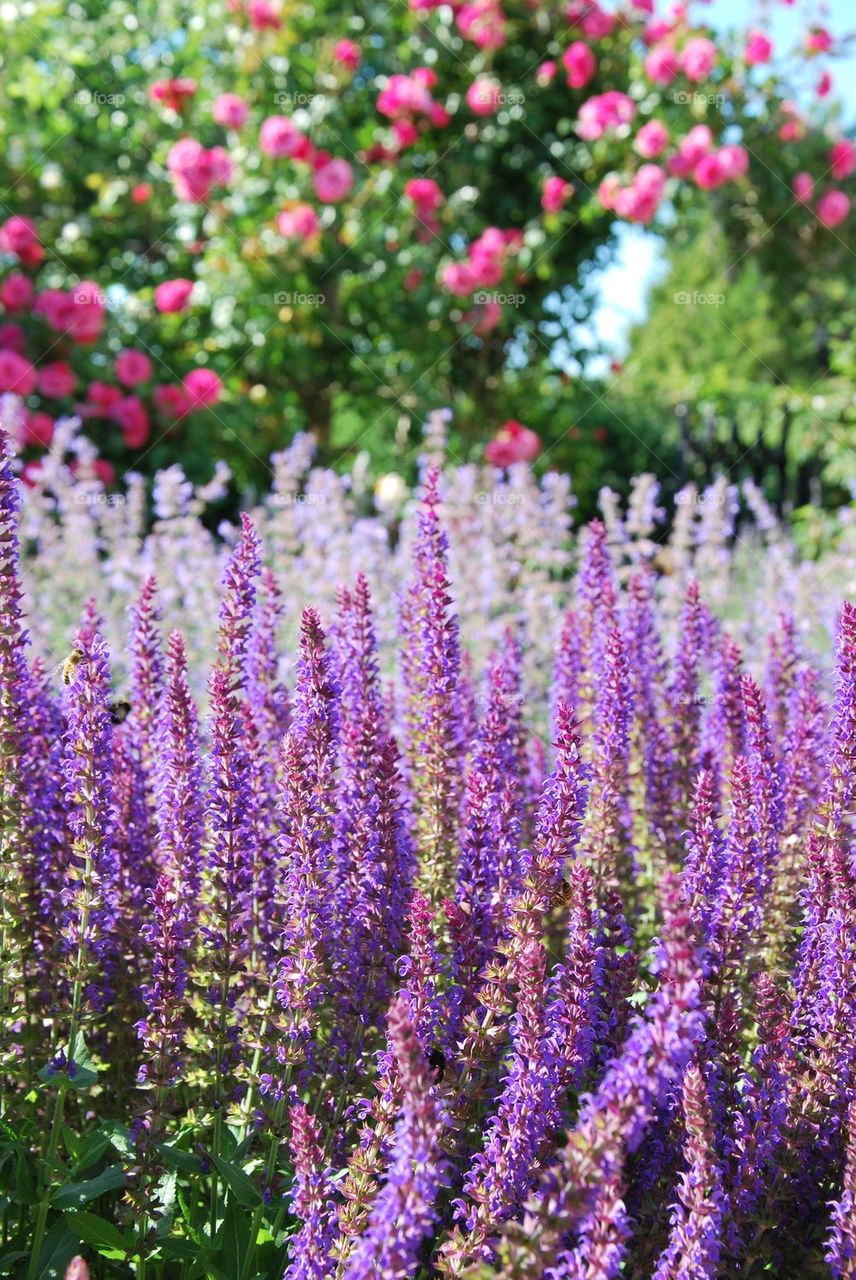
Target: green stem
point(44, 1202)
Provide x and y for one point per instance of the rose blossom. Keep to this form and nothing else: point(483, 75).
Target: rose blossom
point(333, 181)
point(833, 208)
point(16, 292)
point(758, 49)
point(230, 111)
point(512, 443)
point(18, 236)
point(173, 295)
point(652, 140)
point(56, 380)
point(484, 95)
point(16, 374)
point(203, 387)
point(803, 187)
point(133, 367)
point(348, 54)
point(698, 58)
point(556, 191)
point(297, 223)
point(580, 64)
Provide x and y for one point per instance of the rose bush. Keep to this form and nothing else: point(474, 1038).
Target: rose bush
point(300, 212)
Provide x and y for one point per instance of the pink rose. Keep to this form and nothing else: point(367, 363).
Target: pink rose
point(483, 22)
point(298, 223)
point(196, 171)
point(484, 96)
point(803, 187)
point(103, 397)
point(580, 64)
point(818, 40)
point(424, 193)
point(12, 337)
point(546, 74)
point(710, 172)
point(347, 54)
point(131, 416)
point(173, 93)
point(652, 140)
point(56, 380)
point(691, 149)
point(173, 295)
point(824, 85)
point(77, 1268)
point(734, 160)
point(133, 367)
point(842, 158)
point(512, 443)
point(18, 236)
point(698, 58)
point(172, 402)
point(16, 374)
point(38, 429)
point(605, 112)
point(833, 208)
point(16, 292)
point(758, 49)
point(203, 387)
point(661, 64)
point(230, 111)
point(280, 137)
point(556, 192)
point(459, 278)
point(263, 16)
point(333, 181)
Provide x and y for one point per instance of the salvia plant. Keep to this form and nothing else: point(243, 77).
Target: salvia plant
point(395, 961)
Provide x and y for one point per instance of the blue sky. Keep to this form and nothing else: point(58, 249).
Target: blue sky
point(623, 286)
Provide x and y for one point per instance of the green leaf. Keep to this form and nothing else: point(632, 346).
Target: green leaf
point(234, 1241)
point(101, 1234)
point(120, 1139)
point(242, 1187)
point(89, 1151)
point(59, 1248)
point(77, 1193)
point(26, 1187)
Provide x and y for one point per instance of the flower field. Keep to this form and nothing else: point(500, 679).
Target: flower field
point(429, 890)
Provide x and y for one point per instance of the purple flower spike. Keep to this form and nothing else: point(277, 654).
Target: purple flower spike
point(162, 1031)
point(405, 1210)
point(89, 894)
point(312, 1201)
point(146, 683)
point(694, 1248)
point(180, 785)
point(238, 602)
point(841, 1251)
point(433, 714)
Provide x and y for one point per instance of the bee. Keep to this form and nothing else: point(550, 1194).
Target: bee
point(119, 709)
point(562, 894)
point(437, 1061)
point(68, 667)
